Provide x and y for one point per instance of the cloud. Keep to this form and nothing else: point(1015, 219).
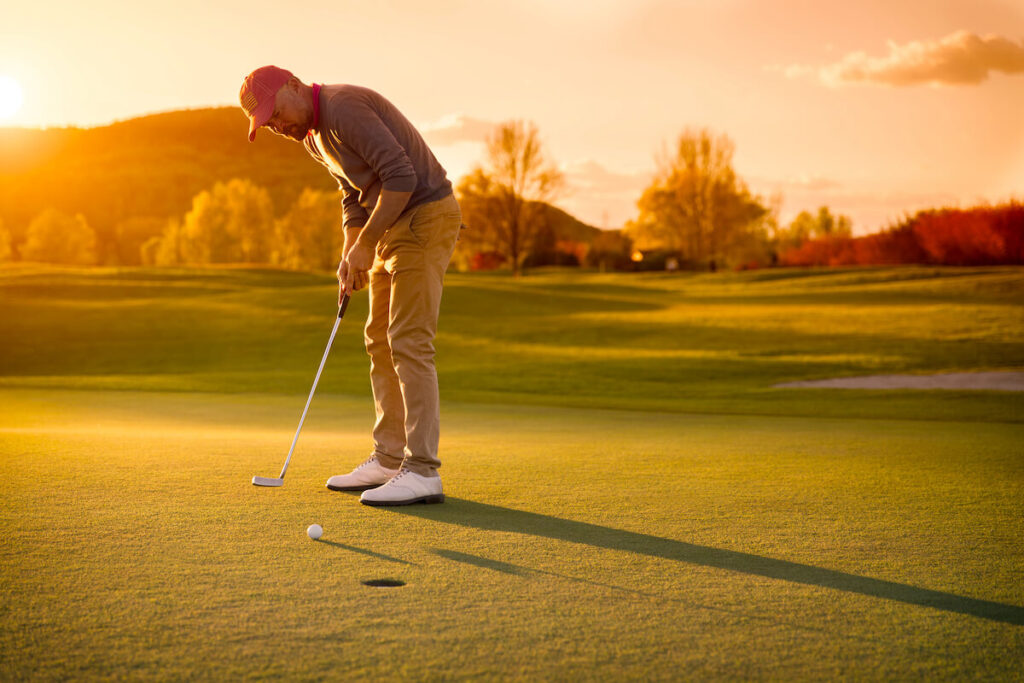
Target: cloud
point(599, 196)
point(961, 58)
point(456, 128)
point(871, 208)
point(804, 182)
point(590, 176)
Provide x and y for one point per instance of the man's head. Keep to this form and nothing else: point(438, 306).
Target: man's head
point(275, 98)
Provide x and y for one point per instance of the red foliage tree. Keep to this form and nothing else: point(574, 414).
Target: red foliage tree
point(981, 236)
point(958, 238)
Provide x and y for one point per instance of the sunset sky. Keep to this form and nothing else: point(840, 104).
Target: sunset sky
point(871, 107)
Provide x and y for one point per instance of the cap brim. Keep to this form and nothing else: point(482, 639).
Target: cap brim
point(259, 117)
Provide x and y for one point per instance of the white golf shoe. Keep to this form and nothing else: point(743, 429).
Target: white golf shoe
point(367, 476)
point(405, 488)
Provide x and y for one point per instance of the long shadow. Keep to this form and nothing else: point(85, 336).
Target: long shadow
point(493, 518)
point(477, 561)
point(364, 551)
point(516, 570)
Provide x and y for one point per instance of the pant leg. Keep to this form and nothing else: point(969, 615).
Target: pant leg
point(417, 255)
point(389, 428)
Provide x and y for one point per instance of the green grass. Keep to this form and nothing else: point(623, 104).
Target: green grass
point(698, 343)
point(627, 496)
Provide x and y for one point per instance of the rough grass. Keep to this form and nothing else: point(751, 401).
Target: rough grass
point(627, 496)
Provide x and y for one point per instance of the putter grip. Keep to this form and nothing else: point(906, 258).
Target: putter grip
point(343, 306)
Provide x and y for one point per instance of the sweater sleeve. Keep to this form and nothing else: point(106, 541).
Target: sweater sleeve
point(368, 136)
point(353, 214)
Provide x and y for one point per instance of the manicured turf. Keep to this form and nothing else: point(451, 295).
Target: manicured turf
point(705, 343)
point(736, 531)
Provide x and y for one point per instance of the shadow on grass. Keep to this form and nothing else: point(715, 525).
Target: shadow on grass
point(493, 518)
point(484, 562)
point(516, 570)
point(364, 551)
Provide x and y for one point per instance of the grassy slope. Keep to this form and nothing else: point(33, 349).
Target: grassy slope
point(712, 344)
point(798, 539)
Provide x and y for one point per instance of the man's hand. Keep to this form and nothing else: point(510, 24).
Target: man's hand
point(358, 259)
point(353, 272)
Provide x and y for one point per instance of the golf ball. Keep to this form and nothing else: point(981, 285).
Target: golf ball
point(315, 531)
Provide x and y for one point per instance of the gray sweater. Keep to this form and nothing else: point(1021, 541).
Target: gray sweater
point(368, 145)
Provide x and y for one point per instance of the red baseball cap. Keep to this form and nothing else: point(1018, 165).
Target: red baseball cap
point(257, 95)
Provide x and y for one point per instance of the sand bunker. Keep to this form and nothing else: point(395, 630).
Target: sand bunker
point(969, 381)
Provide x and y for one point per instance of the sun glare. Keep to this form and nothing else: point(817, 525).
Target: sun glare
point(10, 97)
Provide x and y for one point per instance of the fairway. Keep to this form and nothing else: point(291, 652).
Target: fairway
point(627, 495)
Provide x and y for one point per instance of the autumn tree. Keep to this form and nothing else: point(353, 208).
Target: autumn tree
point(697, 205)
point(167, 249)
point(232, 223)
point(503, 199)
point(807, 226)
point(481, 212)
point(980, 236)
point(148, 250)
point(5, 243)
point(309, 236)
point(55, 237)
point(130, 235)
point(611, 249)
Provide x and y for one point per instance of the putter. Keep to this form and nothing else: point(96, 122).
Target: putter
point(267, 481)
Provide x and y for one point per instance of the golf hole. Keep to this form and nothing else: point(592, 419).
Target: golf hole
point(383, 583)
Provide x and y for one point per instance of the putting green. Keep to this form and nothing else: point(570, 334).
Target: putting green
point(575, 543)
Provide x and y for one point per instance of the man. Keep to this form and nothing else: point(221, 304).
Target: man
point(401, 222)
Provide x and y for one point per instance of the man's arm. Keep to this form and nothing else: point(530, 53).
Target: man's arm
point(351, 235)
point(359, 257)
point(358, 280)
point(353, 219)
point(390, 205)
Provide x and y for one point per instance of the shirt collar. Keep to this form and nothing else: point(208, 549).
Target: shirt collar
point(316, 109)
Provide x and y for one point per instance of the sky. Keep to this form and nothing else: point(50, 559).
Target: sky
point(873, 108)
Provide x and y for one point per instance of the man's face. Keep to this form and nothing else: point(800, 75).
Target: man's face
point(291, 118)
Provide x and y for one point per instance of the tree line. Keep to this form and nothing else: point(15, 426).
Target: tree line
point(980, 236)
point(697, 213)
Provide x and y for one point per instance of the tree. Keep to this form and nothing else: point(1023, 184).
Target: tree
point(149, 249)
point(129, 237)
point(170, 250)
point(504, 200)
point(55, 237)
point(5, 243)
point(807, 226)
point(481, 212)
point(610, 249)
point(833, 226)
point(696, 204)
point(231, 223)
point(309, 236)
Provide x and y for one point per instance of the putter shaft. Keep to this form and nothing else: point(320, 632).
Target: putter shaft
point(341, 313)
point(310, 398)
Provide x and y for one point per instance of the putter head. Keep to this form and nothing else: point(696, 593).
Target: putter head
point(267, 481)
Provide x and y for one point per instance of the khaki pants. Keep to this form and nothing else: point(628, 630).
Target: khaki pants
point(405, 298)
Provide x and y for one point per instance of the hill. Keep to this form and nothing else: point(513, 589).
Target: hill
point(151, 167)
point(145, 167)
point(567, 227)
